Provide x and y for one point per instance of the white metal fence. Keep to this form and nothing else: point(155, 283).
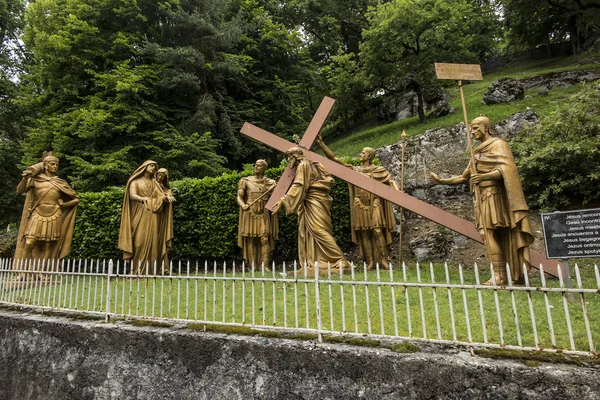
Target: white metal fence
point(435, 303)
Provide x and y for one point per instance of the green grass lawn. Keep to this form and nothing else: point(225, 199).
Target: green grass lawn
point(374, 307)
point(374, 135)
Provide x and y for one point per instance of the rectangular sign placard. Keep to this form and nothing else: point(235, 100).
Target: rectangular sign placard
point(572, 234)
point(459, 72)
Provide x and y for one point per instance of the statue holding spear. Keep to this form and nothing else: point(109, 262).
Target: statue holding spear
point(501, 212)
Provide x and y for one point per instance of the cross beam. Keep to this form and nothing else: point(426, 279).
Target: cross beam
point(384, 191)
point(315, 126)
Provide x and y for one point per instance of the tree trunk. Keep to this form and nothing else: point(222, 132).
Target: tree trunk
point(346, 123)
point(573, 35)
point(420, 107)
point(310, 102)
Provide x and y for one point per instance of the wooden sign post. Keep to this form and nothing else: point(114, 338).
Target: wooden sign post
point(468, 72)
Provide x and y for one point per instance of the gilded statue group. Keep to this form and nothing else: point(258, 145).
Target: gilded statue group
point(146, 232)
point(48, 218)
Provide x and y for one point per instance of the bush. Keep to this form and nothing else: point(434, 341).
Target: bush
point(8, 240)
point(205, 220)
point(558, 159)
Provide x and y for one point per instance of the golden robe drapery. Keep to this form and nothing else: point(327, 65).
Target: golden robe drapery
point(309, 198)
point(146, 230)
point(503, 204)
point(368, 211)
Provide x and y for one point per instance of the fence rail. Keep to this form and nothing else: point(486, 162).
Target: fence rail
point(433, 303)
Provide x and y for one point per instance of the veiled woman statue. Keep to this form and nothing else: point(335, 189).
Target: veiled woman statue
point(146, 222)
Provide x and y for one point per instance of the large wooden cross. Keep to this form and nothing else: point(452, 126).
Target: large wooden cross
point(382, 190)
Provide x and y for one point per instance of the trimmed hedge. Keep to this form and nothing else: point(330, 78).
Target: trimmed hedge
point(205, 218)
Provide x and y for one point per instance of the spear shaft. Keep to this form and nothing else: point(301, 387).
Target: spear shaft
point(402, 190)
point(476, 189)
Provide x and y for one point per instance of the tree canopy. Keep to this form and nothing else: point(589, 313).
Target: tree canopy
point(405, 38)
point(107, 84)
point(543, 22)
point(11, 123)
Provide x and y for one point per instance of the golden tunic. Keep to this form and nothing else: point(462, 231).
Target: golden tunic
point(44, 220)
point(256, 221)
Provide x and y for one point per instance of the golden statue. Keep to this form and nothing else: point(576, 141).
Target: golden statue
point(147, 221)
point(372, 217)
point(258, 228)
point(162, 176)
point(501, 212)
point(309, 198)
point(48, 218)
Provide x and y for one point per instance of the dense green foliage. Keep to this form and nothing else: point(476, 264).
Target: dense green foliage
point(95, 99)
point(405, 38)
point(558, 159)
point(531, 23)
point(107, 84)
point(11, 53)
point(205, 218)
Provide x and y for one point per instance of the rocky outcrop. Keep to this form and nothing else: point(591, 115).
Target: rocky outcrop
point(503, 91)
point(403, 106)
point(442, 110)
point(508, 89)
point(434, 246)
point(560, 79)
point(514, 124)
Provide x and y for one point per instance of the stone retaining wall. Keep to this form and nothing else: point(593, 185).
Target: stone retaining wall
point(56, 358)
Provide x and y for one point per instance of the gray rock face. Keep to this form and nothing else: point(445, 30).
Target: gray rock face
point(405, 106)
point(433, 246)
point(398, 108)
point(514, 124)
point(442, 110)
point(560, 79)
point(503, 90)
point(508, 89)
point(443, 151)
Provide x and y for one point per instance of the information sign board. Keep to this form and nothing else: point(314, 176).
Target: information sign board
point(465, 72)
point(572, 234)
